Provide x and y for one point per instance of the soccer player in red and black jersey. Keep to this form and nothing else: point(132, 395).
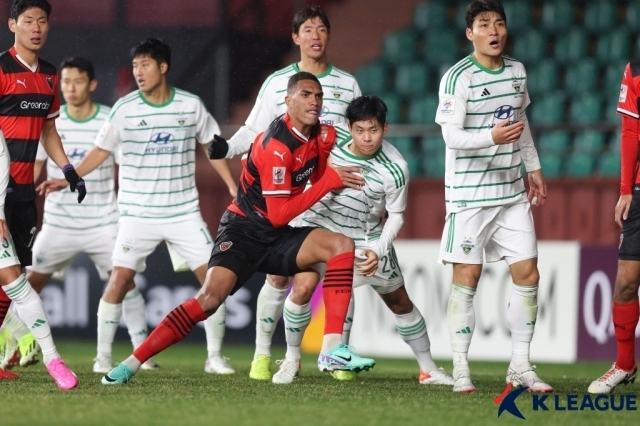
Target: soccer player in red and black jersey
point(28, 107)
point(254, 235)
point(625, 309)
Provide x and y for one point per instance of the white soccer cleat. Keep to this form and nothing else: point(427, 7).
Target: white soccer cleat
point(102, 365)
point(218, 365)
point(149, 364)
point(435, 377)
point(287, 372)
point(612, 378)
point(525, 375)
point(462, 380)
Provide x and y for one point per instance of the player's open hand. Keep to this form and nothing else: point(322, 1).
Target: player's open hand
point(369, 266)
point(622, 209)
point(349, 177)
point(537, 188)
point(4, 231)
point(504, 132)
point(49, 186)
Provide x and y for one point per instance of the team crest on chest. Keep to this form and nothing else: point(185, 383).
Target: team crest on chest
point(337, 95)
point(516, 85)
point(50, 83)
point(181, 120)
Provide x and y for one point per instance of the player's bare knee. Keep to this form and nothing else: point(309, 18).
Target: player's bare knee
point(342, 244)
point(626, 290)
point(277, 281)
point(466, 275)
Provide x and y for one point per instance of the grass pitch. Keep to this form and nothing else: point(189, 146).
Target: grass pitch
point(181, 394)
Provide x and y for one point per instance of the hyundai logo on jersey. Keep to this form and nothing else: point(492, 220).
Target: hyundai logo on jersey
point(324, 111)
point(162, 138)
point(77, 153)
point(503, 112)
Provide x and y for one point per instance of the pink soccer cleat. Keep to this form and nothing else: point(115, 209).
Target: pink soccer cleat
point(63, 376)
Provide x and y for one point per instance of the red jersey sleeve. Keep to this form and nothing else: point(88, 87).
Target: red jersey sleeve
point(628, 99)
point(275, 170)
point(54, 109)
point(628, 108)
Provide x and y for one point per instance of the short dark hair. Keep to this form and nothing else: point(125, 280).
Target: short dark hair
point(302, 75)
point(366, 108)
point(155, 49)
point(19, 6)
point(307, 13)
point(83, 64)
point(478, 7)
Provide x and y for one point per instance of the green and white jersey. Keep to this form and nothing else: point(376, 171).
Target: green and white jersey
point(474, 99)
point(61, 208)
point(158, 147)
point(339, 88)
point(359, 214)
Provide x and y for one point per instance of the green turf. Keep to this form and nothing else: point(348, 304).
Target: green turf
point(181, 394)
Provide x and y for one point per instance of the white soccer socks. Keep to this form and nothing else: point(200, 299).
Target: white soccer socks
point(268, 313)
point(461, 319)
point(214, 327)
point(108, 319)
point(521, 316)
point(296, 320)
point(348, 323)
point(134, 314)
point(31, 311)
point(413, 330)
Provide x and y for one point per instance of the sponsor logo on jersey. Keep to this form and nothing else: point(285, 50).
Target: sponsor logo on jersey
point(226, 245)
point(325, 111)
point(40, 257)
point(76, 153)
point(447, 105)
point(623, 93)
point(278, 175)
point(281, 155)
point(303, 174)
point(23, 82)
point(50, 83)
point(162, 138)
point(162, 143)
point(504, 112)
point(35, 105)
point(467, 245)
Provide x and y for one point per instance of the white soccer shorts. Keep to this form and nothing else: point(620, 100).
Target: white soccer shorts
point(8, 255)
point(503, 232)
point(55, 248)
point(388, 277)
point(136, 240)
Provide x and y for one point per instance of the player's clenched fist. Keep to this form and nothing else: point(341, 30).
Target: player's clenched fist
point(504, 132)
point(75, 181)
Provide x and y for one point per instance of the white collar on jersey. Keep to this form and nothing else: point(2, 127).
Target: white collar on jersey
point(23, 62)
point(306, 139)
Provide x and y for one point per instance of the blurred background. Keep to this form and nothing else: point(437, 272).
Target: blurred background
point(574, 51)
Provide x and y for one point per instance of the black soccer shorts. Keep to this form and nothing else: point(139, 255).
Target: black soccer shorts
point(22, 219)
point(245, 247)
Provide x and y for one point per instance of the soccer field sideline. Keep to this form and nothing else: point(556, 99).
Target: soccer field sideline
point(180, 393)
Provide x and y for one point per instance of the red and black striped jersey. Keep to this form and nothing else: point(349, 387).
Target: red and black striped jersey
point(278, 164)
point(28, 98)
point(628, 103)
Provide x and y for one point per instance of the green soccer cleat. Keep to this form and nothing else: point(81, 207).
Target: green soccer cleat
point(120, 375)
point(260, 368)
point(29, 350)
point(341, 358)
point(343, 375)
point(9, 350)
